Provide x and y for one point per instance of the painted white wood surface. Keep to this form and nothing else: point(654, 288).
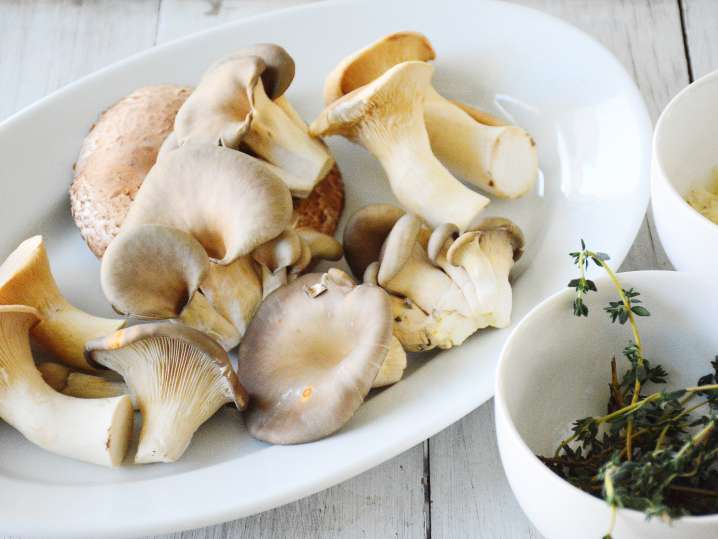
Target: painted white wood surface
point(45, 44)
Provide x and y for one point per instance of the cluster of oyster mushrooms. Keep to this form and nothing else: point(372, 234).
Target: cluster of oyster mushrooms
point(198, 222)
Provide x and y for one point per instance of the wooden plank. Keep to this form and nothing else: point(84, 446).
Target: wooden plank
point(387, 501)
point(45, 44)
point(383, 502)
point(701, 22)
point(182, 17)
point(468, 492)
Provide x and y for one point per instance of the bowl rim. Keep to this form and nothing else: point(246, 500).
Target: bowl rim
point(660, 175)
point(501, 408)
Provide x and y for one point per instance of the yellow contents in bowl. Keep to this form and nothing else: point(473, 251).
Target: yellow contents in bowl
point(705, 199)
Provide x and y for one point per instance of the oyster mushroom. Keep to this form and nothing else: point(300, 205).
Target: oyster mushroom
point(393, 367)
point(501, 159)
point(234, 290)
point(154, 271)
point(311, 354)
point(26, 279)
point(230, 202)
point(386, 116)
point(275, 257)
point(178, 375)
point(234, 105)
point(487, 255)
point(95, 431)
point(411, 324)
point(79, 384)
point(406, 271)
point(364, 234)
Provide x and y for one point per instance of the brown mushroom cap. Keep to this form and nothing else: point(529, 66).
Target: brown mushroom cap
point(99, 350)
point(365, 232)
point(152, 271)
point(116, 156)
point(230, 202)
point(372, 61)
point(311, 354)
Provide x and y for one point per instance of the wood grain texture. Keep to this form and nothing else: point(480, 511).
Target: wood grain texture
point(701, 28)
point(46, 44)
point(466, 490)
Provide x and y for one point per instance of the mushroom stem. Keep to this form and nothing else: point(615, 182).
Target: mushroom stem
point(79, 384)
point(276, 137)
point(26, 279)
point(393, 367)
point(95, 431)
point(501, 160)
point(235, 291)
point(200, 314)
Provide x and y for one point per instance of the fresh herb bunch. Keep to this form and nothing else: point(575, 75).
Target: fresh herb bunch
point(649, 452)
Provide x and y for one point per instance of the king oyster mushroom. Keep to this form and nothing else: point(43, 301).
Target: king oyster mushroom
point(501, 159)
point(180, 378)
point(95, 431)
point(154, 272)
point(311, 354)
point(234, 104)
point(26, 279)
point(386, 116)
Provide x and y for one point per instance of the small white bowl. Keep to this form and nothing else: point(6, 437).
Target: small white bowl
point(685, 149)
point(555, 368)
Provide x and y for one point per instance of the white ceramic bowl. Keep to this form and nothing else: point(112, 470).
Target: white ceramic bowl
point(685, 149)
point(555, 368)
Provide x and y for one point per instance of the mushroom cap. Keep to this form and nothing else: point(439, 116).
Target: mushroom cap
point(99, 352)
point(230, 202)
point(365, 232)
point(398, 247)
point(372, 61)
point(395, 92)
point(152, 271)
point(311, 354)
point(278, 71)
point(518, 241)
point(115, 157)
point(320, 245)
point(219, 111)
point(280, 252)
point(439, 237)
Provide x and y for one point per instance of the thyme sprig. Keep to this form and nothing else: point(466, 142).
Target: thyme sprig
point(647, 452)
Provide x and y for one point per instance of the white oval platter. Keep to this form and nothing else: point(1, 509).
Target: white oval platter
point(593, 135)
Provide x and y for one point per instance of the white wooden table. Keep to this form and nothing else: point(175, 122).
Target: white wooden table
point(452, 485)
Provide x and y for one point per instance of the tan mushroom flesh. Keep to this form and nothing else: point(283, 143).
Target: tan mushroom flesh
point(95, 431)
